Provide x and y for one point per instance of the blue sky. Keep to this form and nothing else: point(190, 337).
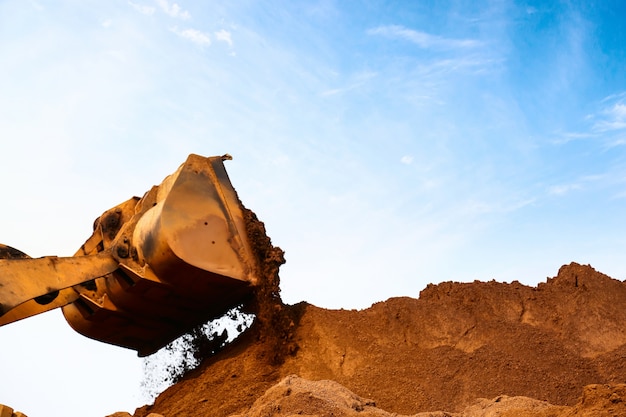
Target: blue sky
point(385, 145)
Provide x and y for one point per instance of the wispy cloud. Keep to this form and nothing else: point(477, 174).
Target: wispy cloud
point(606, 124)
point(583, 183)
point(356, 81)
point(224, 36)
point(562, 138)
point(477, 207)
point(617, 141)
point(147, 10)
point(472, 65)
point(173, 10)
point(407, 159)
point(332, 92)
point(422, 39)
point(196, 36)
point(613, 117)
point(563, 189)
point(530, 10)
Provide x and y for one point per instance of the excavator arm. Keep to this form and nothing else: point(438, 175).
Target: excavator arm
point(153, 268)
point(32, 286)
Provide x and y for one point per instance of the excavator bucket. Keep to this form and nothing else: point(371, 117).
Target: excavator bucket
point(154, 267)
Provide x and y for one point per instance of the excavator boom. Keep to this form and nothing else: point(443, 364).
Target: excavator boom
point(153, 268)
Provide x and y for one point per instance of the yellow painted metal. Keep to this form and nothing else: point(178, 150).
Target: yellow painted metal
point(6, 411)
point(154, 267)
point(18, 285)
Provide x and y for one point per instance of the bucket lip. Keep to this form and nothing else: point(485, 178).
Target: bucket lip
point(198, 195)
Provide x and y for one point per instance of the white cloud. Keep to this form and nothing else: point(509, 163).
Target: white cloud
point(472, 65)
point(607, 124)
point(193, 35)
point(613, 116)
point(107, 23)
point(474, 207)
point(37, 6)
point(563, 189)
point(617, 141)
point(147, 10)
point(616, 118)
point(224, 36)
point(331, 92)
point(407, 159)
point(173, 10)
point(566, 137)
point(422, 39)
point(356, 81)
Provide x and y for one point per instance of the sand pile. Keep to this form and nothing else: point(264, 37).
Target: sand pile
point(453, 347)
point(460, 349)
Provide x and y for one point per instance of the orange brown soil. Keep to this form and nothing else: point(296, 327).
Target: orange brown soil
point(530, 351)
point(457, 343)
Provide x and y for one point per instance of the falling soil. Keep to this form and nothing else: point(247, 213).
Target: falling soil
point(471, 349)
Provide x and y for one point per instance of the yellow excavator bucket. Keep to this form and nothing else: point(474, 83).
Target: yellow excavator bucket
point(154, 267)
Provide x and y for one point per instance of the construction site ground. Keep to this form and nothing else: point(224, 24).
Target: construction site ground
point(460, 349)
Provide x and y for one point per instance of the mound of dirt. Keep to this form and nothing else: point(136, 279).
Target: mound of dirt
point(454, 345)
point(471, 349)
point(296, 396)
